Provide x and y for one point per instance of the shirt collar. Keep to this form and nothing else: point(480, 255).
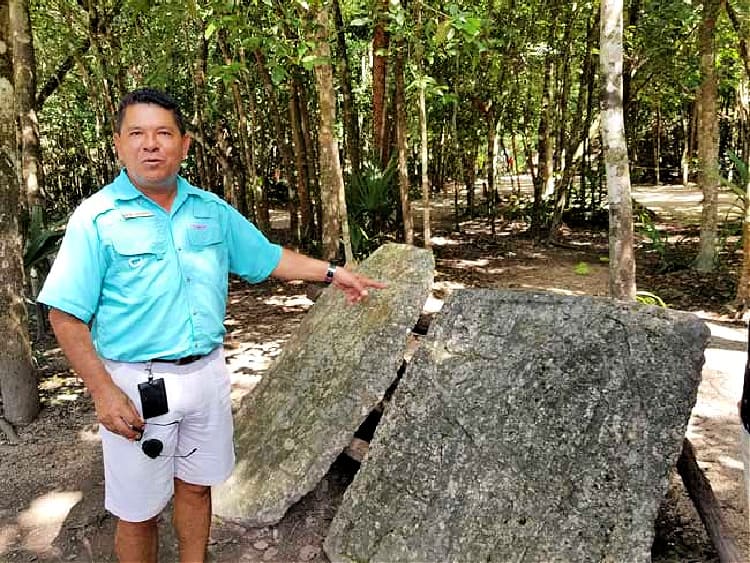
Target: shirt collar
point(125, 190)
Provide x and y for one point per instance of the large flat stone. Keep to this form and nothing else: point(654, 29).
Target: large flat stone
point(528, 427)
point(327, 379)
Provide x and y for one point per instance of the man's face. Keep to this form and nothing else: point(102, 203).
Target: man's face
point(151, 147)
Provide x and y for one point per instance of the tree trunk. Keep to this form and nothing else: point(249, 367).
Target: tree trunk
point(634, 15)
point(742, 297)
point(423, 160)
point(238, 187)
point(198, 102)
point(18, 385)
point(544, 145)
point(657, 144)
point(708, 138)
point(575, 140)
point(621, 257)
point(379, 72)
point(332, 180)
point(286, 153)
point(307, 224)
point(491, 142)
point(32, 174)
point(401, 142)
point(350, 116)
point(24, 67)
point(685, 158)
point(310, 159)
point(260, 197)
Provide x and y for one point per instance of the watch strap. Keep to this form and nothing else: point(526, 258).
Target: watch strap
point(329, 273)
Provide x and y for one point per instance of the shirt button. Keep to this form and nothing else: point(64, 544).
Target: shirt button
point(179, 249)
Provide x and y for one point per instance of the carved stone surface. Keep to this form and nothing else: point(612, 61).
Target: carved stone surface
point(528, 427)
point(327, 379)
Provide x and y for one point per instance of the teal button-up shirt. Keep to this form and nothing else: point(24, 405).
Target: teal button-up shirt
point(154, 283)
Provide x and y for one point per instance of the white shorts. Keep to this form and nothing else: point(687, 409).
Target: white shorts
point(138, 487)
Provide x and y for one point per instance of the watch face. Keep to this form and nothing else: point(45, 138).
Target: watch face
point(329, 273)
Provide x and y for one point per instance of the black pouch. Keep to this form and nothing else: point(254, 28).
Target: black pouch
point(153, 398)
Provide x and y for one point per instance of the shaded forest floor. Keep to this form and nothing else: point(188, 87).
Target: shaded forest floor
point(51, 483)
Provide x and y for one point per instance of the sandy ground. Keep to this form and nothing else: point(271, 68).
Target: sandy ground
point(51, 486)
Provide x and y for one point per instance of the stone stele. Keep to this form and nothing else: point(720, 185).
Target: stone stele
point(327, 379)
point(528, 427)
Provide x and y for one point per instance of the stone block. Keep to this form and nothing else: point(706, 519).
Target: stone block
point(329, 376)
point(529, 426)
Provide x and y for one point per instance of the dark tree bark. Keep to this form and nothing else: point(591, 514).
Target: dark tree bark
point(239, 187)
point(380, 42)
point(335, 221)
point(18, 384)
point(350, 116)
point(32, 173)
point(198, 102)
point(286, 153)
point(260, 197)
point(576, 137)
point(307, 223)
point(742, 297)
point(401, 143)
point(708, 138)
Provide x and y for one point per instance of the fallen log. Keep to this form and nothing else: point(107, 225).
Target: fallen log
point(700, 492)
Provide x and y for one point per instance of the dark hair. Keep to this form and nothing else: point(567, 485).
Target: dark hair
point(150, 96)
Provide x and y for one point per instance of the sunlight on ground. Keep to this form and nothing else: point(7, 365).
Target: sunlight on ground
point(38, 526)
point(682, 203)
point(442, 241)
point(720, 389)
point(289, 301)
point(69, 389)
point(246, 364)
point(253, 356)
point(89, 434)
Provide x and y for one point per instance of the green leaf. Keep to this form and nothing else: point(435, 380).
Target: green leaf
point(210, 29)
point(648, 298)
point(582, 269)
point(442, 32)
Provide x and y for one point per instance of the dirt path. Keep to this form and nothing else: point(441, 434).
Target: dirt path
point(51, 484)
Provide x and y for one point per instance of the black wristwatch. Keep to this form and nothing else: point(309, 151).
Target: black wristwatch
point(329, 273)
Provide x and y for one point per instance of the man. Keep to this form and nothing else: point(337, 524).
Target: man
point(137, 297)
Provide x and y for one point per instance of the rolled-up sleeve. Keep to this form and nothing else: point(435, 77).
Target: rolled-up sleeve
point(74, 283)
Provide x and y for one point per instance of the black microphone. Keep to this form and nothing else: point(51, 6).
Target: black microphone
point(153, 446)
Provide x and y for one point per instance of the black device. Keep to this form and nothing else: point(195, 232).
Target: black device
point(745, 403)
point(153, 398)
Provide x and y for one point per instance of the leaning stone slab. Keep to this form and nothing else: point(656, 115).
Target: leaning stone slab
point(528, 427)
point(329, 376)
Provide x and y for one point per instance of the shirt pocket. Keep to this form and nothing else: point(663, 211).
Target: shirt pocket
point(204, 230)
point(135, 251)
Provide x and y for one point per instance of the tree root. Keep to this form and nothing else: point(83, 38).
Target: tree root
point(9, 432)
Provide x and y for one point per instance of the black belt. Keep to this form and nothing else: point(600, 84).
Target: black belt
point(180, 361)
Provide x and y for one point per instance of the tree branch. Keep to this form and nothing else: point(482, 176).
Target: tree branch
point(59, 75)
